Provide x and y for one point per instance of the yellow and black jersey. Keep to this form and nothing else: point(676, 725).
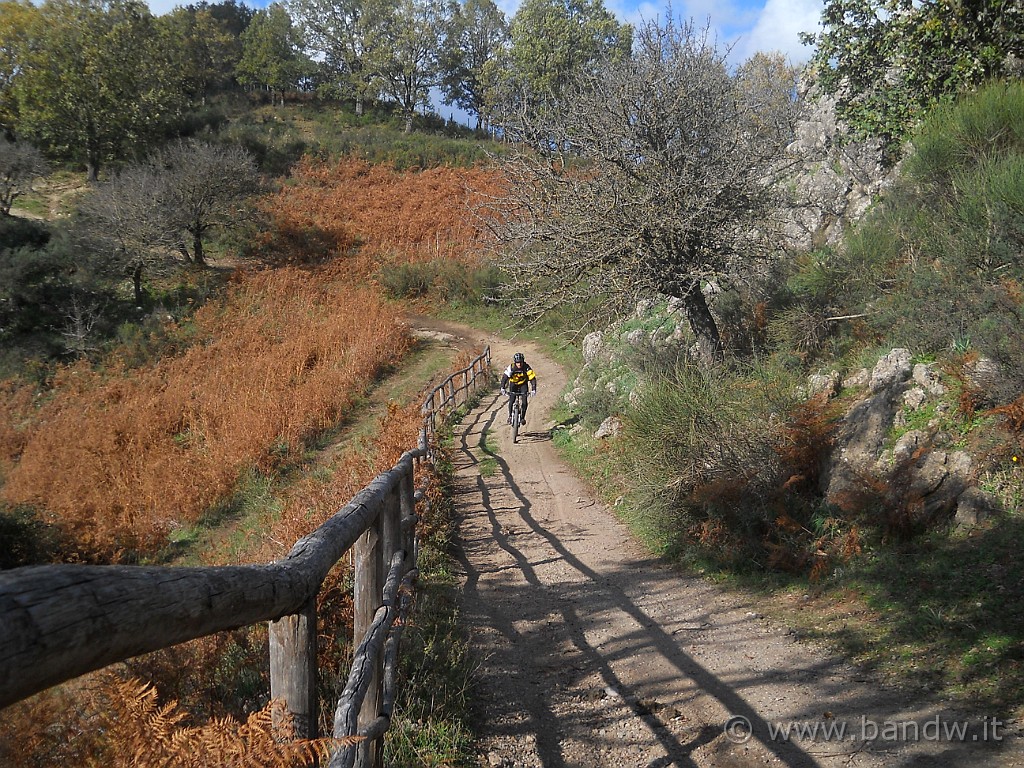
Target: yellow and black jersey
point(517, 377)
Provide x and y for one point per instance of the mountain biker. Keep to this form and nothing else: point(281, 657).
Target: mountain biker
point(515, 380)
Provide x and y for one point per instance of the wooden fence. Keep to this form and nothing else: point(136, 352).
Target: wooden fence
point(61, 621)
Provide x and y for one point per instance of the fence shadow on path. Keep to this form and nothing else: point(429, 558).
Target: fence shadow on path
point(655, 638)
point(578, 606)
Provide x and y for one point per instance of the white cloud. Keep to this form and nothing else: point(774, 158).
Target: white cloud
point(778, 28)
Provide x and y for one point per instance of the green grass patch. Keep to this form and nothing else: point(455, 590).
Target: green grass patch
point(488, 465)
point(235, 520)
point(431, 721)
point(551, 335)
point(939, 618)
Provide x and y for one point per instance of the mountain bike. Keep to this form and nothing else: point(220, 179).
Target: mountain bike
point(518, 405)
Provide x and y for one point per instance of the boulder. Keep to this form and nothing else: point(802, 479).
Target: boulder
point(914, 398)
point(973, 507)
point(928, 380)
point(893, 368)
point(592, 344)
point(857, 379)
point(610, 427)
point(827, 383)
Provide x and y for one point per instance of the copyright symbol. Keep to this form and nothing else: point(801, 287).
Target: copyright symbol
point(737, 729)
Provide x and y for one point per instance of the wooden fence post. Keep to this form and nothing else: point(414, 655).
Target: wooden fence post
point(407, 508)
point(293, 668)
point(368, 591)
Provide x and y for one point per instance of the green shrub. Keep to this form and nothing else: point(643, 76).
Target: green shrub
point(449, 281)
point(26, 540)
point(963, 134)
point(703, 443)
point(937, 266)
point(408, 281)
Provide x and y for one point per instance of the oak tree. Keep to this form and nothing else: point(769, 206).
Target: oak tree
point(121, 222)
point(405, 38)
point(888, 62)
point(96, 83)
point(478, 35)
point(651, 176)
point(204, 50)
point(203, 188)
point(334, 31)
point(551, 40)
point(16, 21)
point(272, 53)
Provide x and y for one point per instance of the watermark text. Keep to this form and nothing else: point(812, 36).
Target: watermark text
point(739, 730)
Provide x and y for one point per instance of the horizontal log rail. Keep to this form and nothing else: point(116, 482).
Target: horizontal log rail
point(61, 621)
point(454, 391)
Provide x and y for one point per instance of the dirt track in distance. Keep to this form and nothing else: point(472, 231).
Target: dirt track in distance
point(593, 653)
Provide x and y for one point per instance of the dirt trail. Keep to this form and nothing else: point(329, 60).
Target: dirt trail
point(593, 653)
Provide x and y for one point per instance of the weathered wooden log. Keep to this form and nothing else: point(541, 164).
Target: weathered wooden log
point(61, 621)
point(57, 622)
point(293, 671)
point(391, 647)
point(358, 705)
point(369, 580)
point(360, 690)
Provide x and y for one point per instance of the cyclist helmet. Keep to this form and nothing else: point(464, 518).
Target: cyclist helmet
point(518, 357)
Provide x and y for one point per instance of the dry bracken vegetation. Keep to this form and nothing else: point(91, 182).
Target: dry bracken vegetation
point(119, 458)
point(121, 723)
point(377, 215)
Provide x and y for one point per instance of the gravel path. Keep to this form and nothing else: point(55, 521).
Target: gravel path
point(594, 653)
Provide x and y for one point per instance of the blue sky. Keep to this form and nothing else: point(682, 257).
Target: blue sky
point(746, 25)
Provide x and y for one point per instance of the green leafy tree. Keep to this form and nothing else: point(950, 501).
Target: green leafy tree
point(16, 21)
point(888, 62)
point(476, 41)
point(335, 31)
point(272, 57)
point(652, 177)
point(553, 39)
point(204, 49)
point(405, 38)
point(97, 82)
point(234, 16)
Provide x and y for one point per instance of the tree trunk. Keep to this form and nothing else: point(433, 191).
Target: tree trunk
point(359, 103)
point(198, 254)
point(137, 283)
point(702, 323)
point(408, 121)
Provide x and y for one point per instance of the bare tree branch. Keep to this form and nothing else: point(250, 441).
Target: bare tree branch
point(123, 219)
point(650, 176)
